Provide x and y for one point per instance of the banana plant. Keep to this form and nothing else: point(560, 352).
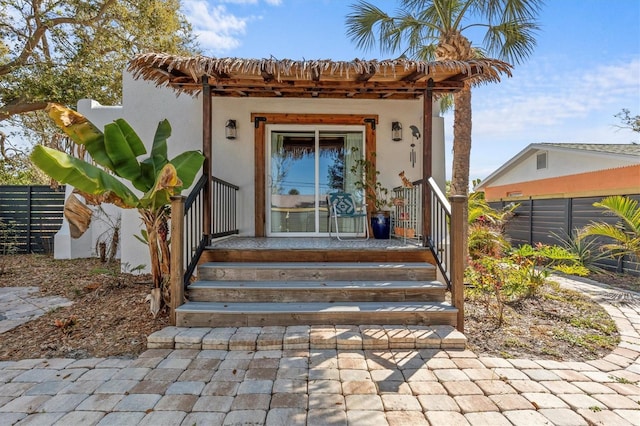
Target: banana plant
point(115, 153)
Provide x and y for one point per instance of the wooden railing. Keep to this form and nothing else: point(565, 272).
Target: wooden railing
point(444, 237)
point(439, 241)
point(188, 236)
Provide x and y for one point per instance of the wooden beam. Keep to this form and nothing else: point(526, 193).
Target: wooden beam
point(219, 75)
point(260, 178)
point(414, 76)
point(348, 119)
point(258, 85)
point(207, 150)
point(458, 203)
point(176, 280)
point(427, 163)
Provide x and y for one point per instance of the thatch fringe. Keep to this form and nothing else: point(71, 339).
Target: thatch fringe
point(164, 68)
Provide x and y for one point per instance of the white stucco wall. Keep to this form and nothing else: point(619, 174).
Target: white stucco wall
point(144, 105)
point(559, 163)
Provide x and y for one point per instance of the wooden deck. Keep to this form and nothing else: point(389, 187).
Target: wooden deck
point(250, 249)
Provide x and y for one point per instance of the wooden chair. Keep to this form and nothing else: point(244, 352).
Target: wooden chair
point(342, 205)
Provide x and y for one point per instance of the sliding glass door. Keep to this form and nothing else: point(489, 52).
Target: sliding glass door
point(304, 164)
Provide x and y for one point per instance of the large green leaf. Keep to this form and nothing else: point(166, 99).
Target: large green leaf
point(136, 144)
point(163, 132)
point(152, 166)
point(120, 152)
point(159, 156)
point(146, 179)
point(82, 132)
point(80, 174)
point(187, 165)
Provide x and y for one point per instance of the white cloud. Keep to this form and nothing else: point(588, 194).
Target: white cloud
point(538, 99)
point(216, 28)
point(219, 29)
point(542, 103)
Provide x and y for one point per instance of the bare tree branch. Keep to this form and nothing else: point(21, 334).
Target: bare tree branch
point(19, 106)
point(41, 29)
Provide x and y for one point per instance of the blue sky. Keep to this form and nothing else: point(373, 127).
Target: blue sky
point(584, 70)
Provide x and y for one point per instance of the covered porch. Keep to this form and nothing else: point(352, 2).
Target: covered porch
point(211, 208)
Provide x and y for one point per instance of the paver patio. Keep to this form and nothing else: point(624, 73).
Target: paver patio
point(304, 385)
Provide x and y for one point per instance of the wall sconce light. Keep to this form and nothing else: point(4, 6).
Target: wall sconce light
point(396, 131)
point(230, 129)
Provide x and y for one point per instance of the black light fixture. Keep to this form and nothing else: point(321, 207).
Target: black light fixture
point(230, 129)
point(396, 131)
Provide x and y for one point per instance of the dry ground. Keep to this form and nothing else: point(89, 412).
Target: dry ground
point(109, 315)
point(110, 318)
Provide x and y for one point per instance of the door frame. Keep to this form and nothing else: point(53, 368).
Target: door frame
point(260, 119)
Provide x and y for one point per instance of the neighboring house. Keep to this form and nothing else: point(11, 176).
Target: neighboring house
point(555, 186)
point(566, 170)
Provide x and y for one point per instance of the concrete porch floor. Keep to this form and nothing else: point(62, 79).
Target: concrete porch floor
point(274, 243)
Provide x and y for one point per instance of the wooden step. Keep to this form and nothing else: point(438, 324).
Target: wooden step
point(325, 271)
point(412, 254)
point(212, 314)
point(316, 291)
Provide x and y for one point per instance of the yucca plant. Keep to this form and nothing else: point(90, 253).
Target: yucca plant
point(585, 250)
point(156, 178)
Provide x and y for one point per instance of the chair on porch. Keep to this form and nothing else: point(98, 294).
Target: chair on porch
point(342, 205)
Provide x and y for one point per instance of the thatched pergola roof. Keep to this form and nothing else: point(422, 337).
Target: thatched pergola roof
point(358, 79)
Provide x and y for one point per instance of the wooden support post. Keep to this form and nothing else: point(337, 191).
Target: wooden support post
point(457, 256)
point(177, 255)
point(427, 161)
point(207, 144)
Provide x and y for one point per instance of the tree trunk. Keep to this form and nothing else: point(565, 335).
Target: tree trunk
point(150, 220)
point(462, 153)
point(461, 142)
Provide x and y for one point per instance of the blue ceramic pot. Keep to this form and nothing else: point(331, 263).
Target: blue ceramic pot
point(381, 225)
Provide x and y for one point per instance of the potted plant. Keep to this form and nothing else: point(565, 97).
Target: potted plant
point(375, 194)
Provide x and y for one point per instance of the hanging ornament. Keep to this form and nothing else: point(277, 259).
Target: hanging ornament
point(412, 155)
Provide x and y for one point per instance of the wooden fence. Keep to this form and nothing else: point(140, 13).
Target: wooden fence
point(29, 218)
point(537, 220)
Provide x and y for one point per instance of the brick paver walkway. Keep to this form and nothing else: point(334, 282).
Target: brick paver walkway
point(330, 386)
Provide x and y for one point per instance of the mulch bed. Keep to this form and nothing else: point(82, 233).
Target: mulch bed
point(109, 316)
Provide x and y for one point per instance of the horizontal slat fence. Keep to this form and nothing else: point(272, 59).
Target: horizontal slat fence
point(536, 220)
point(30, 215)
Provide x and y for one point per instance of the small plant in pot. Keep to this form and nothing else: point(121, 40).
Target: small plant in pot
point(375, 194)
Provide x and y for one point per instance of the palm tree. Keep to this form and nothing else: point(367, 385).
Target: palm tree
point(625, 234)
point(435, 29)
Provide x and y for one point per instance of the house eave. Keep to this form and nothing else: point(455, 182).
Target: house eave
point(537, 147)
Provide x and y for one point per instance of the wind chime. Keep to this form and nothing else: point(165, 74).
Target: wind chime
point(412, 155)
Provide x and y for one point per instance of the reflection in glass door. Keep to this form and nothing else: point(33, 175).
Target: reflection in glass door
point(304, 166)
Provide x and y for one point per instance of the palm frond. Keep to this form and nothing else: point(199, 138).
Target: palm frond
point(625, 208)
point(367, 24)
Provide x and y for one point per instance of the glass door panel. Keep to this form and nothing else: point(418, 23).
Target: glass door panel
point(304, 166)
point(292, 179)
